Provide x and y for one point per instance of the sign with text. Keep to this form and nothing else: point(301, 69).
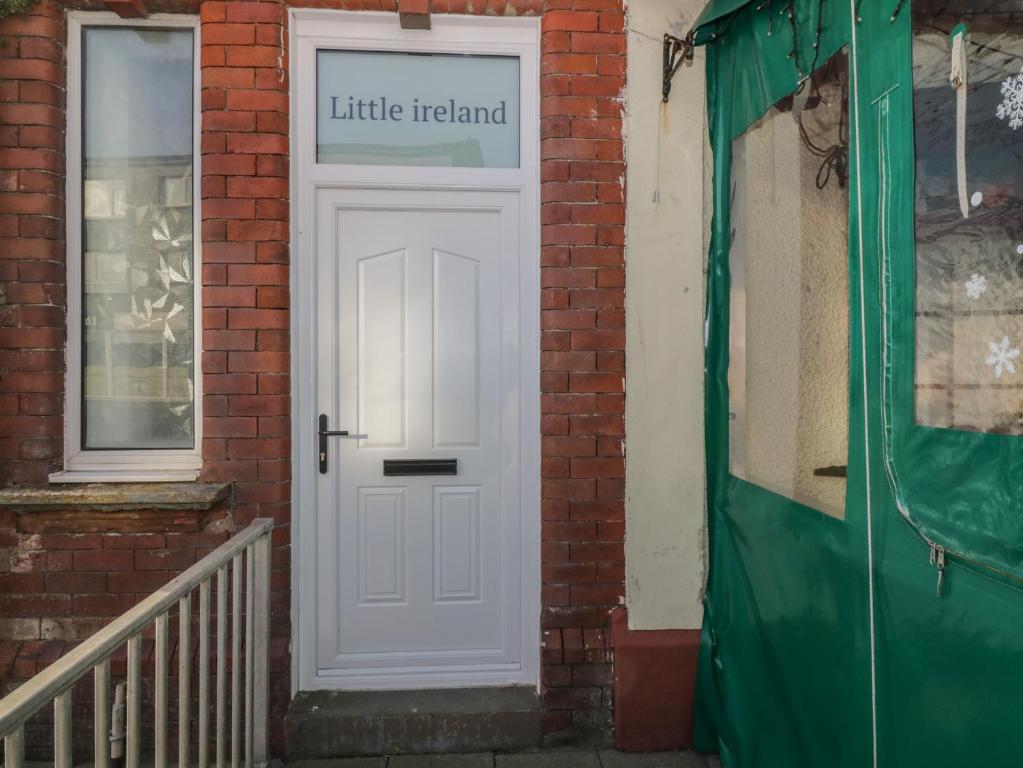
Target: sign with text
point(377, 108)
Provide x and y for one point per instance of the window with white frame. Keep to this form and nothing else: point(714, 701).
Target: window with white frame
point(133, 309)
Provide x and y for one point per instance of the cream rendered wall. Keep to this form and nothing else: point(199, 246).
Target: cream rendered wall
point(665, 501)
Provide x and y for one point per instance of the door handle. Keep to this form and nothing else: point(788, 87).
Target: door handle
point(323, 433)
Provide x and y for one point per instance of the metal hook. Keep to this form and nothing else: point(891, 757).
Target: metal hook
point(677, 51)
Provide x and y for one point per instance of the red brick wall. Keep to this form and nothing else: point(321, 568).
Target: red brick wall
point(583, 357)
point(246, 363)
point(32, 273)
point(246, 318)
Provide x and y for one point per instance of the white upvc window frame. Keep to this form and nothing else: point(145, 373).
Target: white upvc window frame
point(142, 465)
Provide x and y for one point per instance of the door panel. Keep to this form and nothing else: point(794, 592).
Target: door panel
point(381, 303)
point(420, 353)
point(456, 341)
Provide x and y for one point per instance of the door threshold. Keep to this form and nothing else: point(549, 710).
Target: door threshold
point(327, 724)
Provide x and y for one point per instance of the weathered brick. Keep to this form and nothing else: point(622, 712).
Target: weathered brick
point(103, 560)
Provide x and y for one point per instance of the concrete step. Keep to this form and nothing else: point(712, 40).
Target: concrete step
point(324, 724)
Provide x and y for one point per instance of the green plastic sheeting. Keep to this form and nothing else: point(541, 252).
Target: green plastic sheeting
point(826, 643)
point(707, 23)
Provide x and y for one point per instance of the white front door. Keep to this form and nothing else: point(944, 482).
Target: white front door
point(415, 309)
point(419, 350)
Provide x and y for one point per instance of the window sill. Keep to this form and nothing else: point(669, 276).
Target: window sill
point(80, 476)
point(123, 466)
point(114, 507)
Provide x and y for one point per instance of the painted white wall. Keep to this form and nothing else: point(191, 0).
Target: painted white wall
point(665, 516)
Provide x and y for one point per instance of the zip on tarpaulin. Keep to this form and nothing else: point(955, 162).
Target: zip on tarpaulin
point(938, 561)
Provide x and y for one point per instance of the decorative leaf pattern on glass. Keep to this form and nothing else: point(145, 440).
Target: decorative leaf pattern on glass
point(155, 239)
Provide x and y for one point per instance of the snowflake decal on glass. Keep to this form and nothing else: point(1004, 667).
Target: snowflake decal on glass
point(976, 286)
point(1012, 101)
point(1002, 357)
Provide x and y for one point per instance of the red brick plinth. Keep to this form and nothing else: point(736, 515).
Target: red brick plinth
point(654, 685)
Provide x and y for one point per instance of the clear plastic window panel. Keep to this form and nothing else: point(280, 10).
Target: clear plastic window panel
point(969, 286)
point(137, 227)
point(789, 339)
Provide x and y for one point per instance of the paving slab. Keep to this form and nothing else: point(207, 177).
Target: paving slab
point(550, 759)
point(345, 762)
point(612, 758)
point(472, 760)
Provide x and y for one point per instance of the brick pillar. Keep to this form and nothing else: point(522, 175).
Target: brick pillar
point(245, 281)
point(32, 272)
point(583, 359)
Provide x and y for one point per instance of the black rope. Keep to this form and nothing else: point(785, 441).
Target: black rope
point(859, 8)
point(835, 161)
point(898, 10)
point(835, 157)
point(794, 54)
point(820, 33)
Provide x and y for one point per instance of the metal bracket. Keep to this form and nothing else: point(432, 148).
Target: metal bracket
point(677, 51)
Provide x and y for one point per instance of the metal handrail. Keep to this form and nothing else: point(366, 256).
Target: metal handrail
point(55, 682)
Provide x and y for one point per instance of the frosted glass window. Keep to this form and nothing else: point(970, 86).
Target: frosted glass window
point(137, 232)
point(376, 108)
point(969, 288)
point(788, 376)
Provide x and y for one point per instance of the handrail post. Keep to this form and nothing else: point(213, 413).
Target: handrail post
point(221, 736)
point(236, 661)
point(261, 653)
point(101, 715)
point(62, 747)
point(250, 558)
point(204, 674)
point(160, 695)
point(14, 748)
point(184, 679)
point(133, 730)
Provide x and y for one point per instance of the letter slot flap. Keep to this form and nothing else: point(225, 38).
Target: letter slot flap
point(419, 467)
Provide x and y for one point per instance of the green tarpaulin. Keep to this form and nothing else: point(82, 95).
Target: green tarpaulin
point(829, 642)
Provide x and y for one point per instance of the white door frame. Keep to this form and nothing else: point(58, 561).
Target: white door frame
point(313, 29)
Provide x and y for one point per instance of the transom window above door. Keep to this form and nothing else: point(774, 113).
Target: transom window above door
point(417, 109)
